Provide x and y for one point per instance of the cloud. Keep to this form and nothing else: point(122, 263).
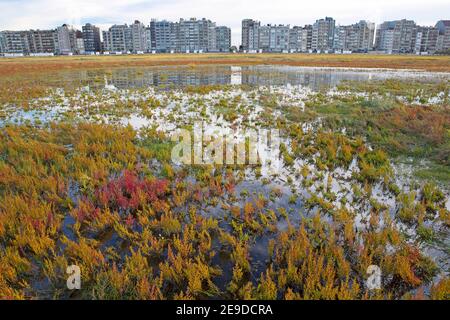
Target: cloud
point(26, 14)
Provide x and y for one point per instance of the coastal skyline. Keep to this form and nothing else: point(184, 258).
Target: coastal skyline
point(44, 14)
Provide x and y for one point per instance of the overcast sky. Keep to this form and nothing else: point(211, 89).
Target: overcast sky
point(26, 14)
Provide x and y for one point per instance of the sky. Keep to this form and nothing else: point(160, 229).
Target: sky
point(46, 14)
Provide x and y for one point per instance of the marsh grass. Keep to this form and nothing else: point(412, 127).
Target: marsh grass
point(84, 188)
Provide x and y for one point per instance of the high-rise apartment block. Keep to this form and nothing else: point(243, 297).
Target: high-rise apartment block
point(14, 42)
point(426, 39)
point(91, 38)
point(66, 40)
point(295, 39)
point(41, 41)
point(163, 34)
point(193, 35)
point(357, 37)
point(250, 34)
point(275, 38)
point(138, 35)
point(263, 40)
point(279, 38)
point(396, 36)
point(223, 39)
point(134, 38)
point(189, 35)
point(300, 38)
point(323, 34)
point(118, 39)
point(443, 41)
point(306, 38)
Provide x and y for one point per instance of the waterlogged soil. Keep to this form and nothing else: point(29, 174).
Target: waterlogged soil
point(360, 177)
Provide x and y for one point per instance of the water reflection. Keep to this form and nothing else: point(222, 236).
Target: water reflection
point(180, 76)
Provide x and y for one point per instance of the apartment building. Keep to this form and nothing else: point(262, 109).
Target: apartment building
point(66, 40)
point(279, 38)
point(283, 38)
point(41, 41)
point(263, 39)
point(443, 41)
point(194, 35)
point(138, 40)
point(223, 39)
point(212, 38)
point(404, 36)
point(189, 35)
point(148, 39)
point(295, 39)
point(28, 42)
point(15, 42)
point(426, 39)
point(306, 38)
point(79, 43)
point(400, 36)
point(357, 37)
point(396, 36)
point(250, 34)
point(118, 39)
point(163, 34)
point(300, 38)
point(2, 43)
point(384, 39)
point(323, 34)
point(345, 38)
point(91, 38)
point(366, 35)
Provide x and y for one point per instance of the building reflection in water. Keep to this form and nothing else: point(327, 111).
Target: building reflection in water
point(181, 76)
